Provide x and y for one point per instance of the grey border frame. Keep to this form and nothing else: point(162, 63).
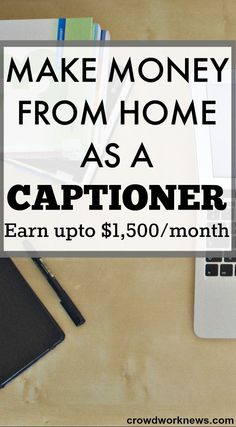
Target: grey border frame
point(131, 43)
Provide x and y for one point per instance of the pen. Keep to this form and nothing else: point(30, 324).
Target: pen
point(65, 300)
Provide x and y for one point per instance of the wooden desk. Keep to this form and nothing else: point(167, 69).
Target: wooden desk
point(137, 355)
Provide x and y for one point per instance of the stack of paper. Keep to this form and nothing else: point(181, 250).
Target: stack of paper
point(52, 29)
point(64, 166)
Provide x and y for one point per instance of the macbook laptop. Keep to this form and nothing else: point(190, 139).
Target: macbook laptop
point(215, 275)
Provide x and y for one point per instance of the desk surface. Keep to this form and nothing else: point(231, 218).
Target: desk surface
point(137, 355)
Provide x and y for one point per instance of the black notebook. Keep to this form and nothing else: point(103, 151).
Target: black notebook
point(27, 330)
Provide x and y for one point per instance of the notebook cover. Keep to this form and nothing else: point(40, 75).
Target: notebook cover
point(79, 29)
point(27, 330)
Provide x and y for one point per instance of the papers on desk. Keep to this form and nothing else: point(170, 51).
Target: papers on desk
point(52, 29)
point(39, 159)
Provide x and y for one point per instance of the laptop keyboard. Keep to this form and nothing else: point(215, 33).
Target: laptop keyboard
point(220, 267)
point(224, 266)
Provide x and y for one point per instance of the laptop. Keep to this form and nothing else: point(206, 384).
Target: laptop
point(215, 275)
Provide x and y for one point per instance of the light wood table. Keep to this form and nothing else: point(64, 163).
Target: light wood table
point(137, 355)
